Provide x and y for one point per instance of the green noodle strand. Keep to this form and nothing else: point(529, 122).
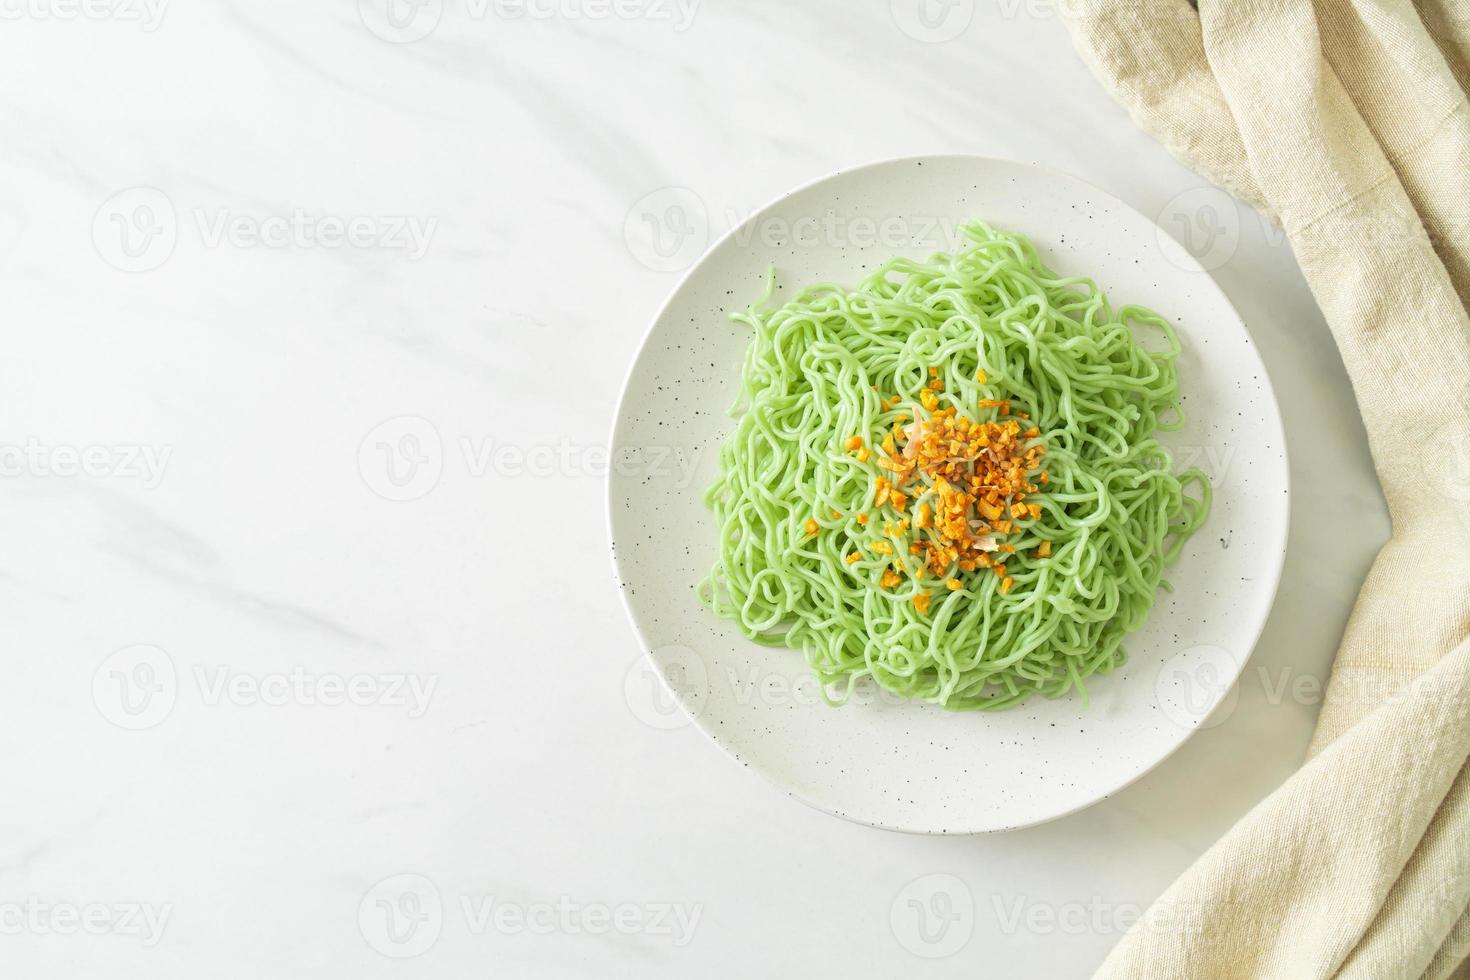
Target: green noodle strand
point(817, 371)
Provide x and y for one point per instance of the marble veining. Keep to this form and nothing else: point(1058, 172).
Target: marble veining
point(315, 319)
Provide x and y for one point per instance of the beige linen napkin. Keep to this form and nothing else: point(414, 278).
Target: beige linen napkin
point(1347, 122)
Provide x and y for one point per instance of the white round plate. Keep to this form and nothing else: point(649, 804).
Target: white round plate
point(913, 766)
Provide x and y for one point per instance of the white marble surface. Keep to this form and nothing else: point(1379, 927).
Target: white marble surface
point(246, 691)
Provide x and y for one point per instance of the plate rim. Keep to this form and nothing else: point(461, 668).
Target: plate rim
point(1274, 418)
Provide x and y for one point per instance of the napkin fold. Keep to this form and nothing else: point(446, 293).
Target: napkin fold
point(1346, 121)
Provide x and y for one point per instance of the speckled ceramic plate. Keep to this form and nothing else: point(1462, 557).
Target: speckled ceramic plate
point(908, 766)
